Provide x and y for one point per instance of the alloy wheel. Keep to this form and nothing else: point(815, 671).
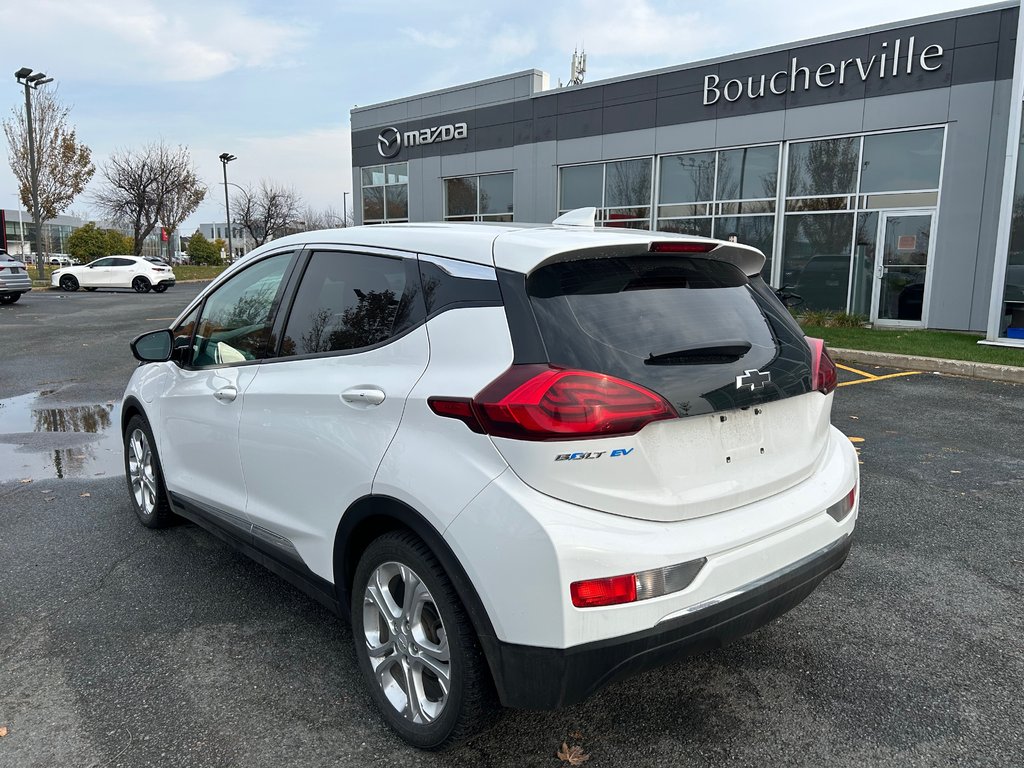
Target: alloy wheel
point(407, 643)
point(141, 476)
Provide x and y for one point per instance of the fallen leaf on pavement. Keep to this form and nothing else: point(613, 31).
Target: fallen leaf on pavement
point(84, 495)
point(26, 480)
point(3, 731)
point(47, 491)
point(572, 755)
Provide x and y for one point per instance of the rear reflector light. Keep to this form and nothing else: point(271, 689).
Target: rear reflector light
point(824, 376)
point(538, 402)
point(596, 592)
point(632, 587)
point(844, 506)
point(670, 246)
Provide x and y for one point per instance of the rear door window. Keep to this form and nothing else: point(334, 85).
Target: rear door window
point(351, 301)
point(685, 327)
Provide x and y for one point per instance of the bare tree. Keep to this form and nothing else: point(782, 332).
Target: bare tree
point(63, 165)
point(142, 188)
point(267, 211)
point(320, 218)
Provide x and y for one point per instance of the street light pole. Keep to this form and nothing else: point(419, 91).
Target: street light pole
point(31, 81)
point(226, 158)
point(344, 209)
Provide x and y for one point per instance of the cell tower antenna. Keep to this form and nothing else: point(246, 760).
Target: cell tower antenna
point(578, 67)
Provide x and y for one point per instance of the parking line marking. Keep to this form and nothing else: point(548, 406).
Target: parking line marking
point(879, 378)
point(854, 370)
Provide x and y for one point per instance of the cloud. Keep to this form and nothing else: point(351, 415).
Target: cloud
point(437, 40)
point(634, 31)
point(147, 41)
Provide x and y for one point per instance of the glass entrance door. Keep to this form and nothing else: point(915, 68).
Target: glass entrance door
point(901, 266)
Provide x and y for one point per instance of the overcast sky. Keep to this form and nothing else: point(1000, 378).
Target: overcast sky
point(273, 82)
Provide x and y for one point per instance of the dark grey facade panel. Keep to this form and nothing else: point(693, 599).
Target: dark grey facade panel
point(975, 64)
point(976, 48)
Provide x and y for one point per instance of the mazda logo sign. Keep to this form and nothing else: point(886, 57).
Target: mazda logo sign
point(389, 142)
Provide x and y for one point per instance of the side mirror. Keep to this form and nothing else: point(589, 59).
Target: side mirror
point(153, 347)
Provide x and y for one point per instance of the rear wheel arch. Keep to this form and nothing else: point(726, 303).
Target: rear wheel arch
point(372, 516)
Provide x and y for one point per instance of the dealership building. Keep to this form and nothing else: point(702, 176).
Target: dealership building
point(876, 169)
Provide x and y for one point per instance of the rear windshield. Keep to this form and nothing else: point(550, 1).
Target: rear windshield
point(683, 326)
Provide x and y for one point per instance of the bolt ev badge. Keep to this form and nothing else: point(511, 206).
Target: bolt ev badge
point(389, 142)
point(753, 378)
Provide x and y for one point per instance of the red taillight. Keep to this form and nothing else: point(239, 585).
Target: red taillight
point(670, 246)
point(455, 408)
point(537, 402)
point(595, 592)
point(824, 376)
point(844, 506)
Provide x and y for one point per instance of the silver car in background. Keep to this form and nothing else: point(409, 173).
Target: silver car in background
point(14, 279)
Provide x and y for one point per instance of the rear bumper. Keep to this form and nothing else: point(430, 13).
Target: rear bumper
point(530, 677)
point(15, 286)
point(168, 281)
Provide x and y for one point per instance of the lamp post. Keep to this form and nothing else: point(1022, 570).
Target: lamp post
point(31, 81)
point(344, 208)
point(226, 158)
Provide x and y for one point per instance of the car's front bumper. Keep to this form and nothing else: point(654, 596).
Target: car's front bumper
point(529, 677)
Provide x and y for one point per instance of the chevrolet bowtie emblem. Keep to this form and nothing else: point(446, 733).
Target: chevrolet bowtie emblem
point(753, 378)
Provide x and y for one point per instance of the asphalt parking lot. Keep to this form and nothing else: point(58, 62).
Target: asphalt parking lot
point(121, 646)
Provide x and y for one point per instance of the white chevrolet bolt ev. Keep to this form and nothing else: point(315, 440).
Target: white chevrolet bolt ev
point(526, 461)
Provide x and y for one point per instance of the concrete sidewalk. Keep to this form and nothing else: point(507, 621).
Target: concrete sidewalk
point(1008, 373)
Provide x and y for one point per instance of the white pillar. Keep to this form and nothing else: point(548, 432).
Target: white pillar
point(1013, 137)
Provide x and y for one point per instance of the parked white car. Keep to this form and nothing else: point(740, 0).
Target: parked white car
point(133, 272)
point(526, 462)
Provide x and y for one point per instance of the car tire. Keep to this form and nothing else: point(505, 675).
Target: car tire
point(9, 298)
point(141, 285)
point(159, 288)
point(392, 648)
point(69, 283)
point(145, 478)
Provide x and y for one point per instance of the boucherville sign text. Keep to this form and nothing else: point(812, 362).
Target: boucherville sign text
point(888, 63)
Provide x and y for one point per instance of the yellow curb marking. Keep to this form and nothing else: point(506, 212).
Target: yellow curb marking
point(854, 370)
point(879, 378)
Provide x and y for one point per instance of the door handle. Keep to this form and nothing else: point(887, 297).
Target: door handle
point(363, 396)
point(226, 394)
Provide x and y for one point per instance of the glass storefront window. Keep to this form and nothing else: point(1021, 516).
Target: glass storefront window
point(460, 197)
point(816, 258)
point(478, 198)
point(496, 194)
point(687, 178)
point(901, 161)
point(748, 173)
point(581, 187)
point(701, 227)
point(385, 193)
point(863, 269)
point(758, 231)
point(627, 183)
point(819, 168)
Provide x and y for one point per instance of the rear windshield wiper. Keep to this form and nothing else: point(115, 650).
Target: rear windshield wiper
point(702, 354)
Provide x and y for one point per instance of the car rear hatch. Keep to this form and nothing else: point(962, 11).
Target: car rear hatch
point(691, 385)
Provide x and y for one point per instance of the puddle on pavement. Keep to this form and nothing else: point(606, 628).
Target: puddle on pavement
point(41, 441)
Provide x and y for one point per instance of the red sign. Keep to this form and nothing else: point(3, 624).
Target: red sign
point(906, 243)
point(163, 235)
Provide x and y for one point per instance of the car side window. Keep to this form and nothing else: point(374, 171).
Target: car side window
point(350, 301)
point(237, 318)
point(122, 262)
point(107, 262)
